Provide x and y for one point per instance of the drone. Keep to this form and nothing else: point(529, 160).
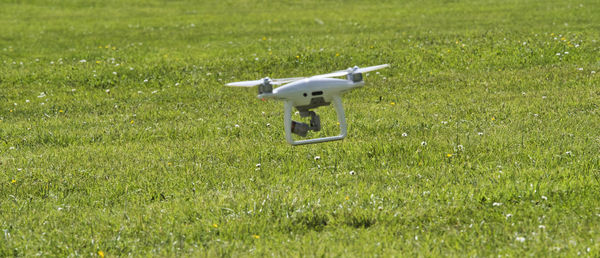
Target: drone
point(308, 93)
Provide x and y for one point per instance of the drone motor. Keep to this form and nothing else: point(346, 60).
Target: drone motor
point(265, 86)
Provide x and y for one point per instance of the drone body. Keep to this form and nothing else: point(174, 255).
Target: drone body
point(309, 93)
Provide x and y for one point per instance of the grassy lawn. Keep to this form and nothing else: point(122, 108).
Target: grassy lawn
point(118, 136)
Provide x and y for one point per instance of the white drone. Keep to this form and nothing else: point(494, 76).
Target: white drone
point(308, 93)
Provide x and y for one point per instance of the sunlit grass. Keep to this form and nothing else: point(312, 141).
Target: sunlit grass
point(118, 137)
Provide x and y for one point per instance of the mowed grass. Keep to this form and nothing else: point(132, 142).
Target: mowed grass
point(118, 136)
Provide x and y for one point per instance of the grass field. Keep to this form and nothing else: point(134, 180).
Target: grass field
point(118, 137)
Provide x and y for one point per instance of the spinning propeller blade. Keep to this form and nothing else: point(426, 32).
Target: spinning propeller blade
point(334, 74)
point(245, 83)
point(351, 70)
point(261, 81)
point(371, 68)
point(285, 80)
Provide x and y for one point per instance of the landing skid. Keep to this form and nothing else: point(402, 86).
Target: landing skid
point(287, 120)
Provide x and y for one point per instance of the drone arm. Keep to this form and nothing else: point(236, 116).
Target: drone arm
point(287, 120)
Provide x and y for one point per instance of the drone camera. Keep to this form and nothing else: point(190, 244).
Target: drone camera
point(302, 129)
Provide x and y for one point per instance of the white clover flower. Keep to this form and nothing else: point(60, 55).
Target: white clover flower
point(115, 73)
point(460, 147)
point(541, 226)
point(580, 69)
point(480, 133)
point(82, 61)
point(508, 215)
point(145, 80)
point(404, 134)
point(544, 198)
point(258, 165)
point(424, 143)
point(352, 173)
point(237, 126)
point(520, 239)
point(317, 157)
point(496, 204)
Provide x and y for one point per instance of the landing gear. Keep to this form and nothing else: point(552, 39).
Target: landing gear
point(301, 129)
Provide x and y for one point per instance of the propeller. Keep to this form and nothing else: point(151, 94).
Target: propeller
point(370, 68)
point(261, 81)
point(356, 69)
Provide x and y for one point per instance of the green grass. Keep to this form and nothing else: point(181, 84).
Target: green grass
point(94, 159)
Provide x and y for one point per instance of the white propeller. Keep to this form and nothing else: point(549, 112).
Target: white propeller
point(334, 74)
point(371, 68)
point(261, 81)
point(351, 70)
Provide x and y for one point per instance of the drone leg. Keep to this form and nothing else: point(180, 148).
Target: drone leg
point(287, 121)
point(339, 109)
